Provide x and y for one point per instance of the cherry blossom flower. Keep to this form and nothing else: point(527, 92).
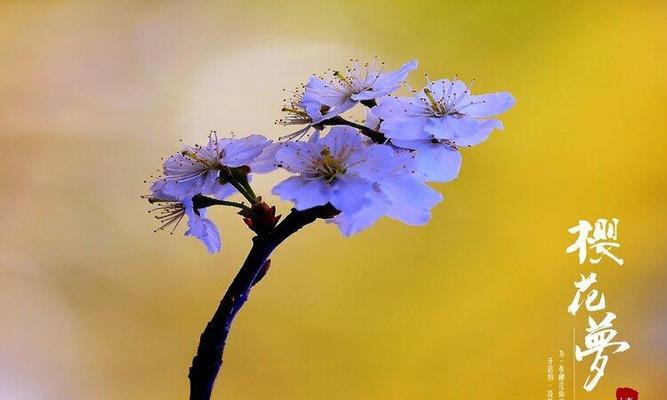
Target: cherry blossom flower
point(399, 192)
point(364, 181)
point(336, 169)
point(299, 113)
point(327, 97)
point(363, 172)
point(196, 169)
point(434, 160)
point(170, 211)
point(437, 120)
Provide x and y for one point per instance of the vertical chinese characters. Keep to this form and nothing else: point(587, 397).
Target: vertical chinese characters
point(601, 237)
point(599, 334)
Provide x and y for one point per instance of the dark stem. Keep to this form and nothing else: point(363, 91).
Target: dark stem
point(369, 103)
point(238, 177)
point(375, 136)
point(208, 360)
point(199, 201)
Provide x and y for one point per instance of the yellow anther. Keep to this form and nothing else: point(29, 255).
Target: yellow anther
point(328, 166)
point(437, 107)
point(341, 76)
point(295, 111)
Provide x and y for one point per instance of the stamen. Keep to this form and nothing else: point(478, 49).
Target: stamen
point(328, 167)
point(437, 107)
point(295, 111)
point(344, 79)
point(296, 135)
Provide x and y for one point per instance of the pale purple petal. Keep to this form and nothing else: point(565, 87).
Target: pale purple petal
point(488, 105)
point(297, 156)
point(319, 93)
point(377, 162)
point(202, 228)
point(212, 186)
point(352, 223)
point(485, 128)
point(438, 162)
point(266, 161)
point(304, 193)
point(399, 107)
point(219, 191)
point(184, 189)
point(409, 128)
point(157, 191)
point(240, 152)
point(343, 141)
point(372, 121)
point(336, 109)
point(444, 89)
point(411, 199)
point(451, 127)
point(386, 83)
point(348, 193)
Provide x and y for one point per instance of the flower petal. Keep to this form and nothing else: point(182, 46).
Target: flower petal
point(266, 161)
point(376, 162)
point(203, 229)
point(348, 193)
point(184, 189)
point(239, 152)
point(352, 223)
point(304, 193)
point(483, 131)
point(438, 163)
point(319, 93)
point(411, 199)
point(343, 141)
point(399, 107)
point(488, 105)
point(408, 128)
point(297, 156)
point(372, 120)
point(451, 128)
point(386, 83)
point(213, 187)
point(444, 89)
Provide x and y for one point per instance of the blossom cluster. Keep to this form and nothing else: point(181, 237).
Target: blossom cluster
point(380, 168)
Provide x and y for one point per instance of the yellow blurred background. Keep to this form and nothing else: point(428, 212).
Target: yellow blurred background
point(94, 305)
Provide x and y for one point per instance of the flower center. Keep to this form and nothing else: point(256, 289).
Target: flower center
point(438, 108)
point(348, 83)
point(168, 213)
point(294, 110)
point(329, 167)
point(202, 160)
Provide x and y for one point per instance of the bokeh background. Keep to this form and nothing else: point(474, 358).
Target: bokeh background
point(94, 305)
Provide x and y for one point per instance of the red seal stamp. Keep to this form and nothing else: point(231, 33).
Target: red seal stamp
point(625, 393)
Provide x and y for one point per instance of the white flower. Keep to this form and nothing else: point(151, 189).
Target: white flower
point(337, 169)
point(327, 97)
point(364, 181)
point(170, 211)
point(439, 119)
point(196, 169)
point(398, 193)
point(298, 113)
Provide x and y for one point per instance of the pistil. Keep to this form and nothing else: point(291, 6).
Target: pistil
point(436, 106)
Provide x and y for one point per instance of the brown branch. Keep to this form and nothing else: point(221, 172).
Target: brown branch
point(208, 360)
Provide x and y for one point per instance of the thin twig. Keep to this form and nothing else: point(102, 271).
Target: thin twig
point(375, 136)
